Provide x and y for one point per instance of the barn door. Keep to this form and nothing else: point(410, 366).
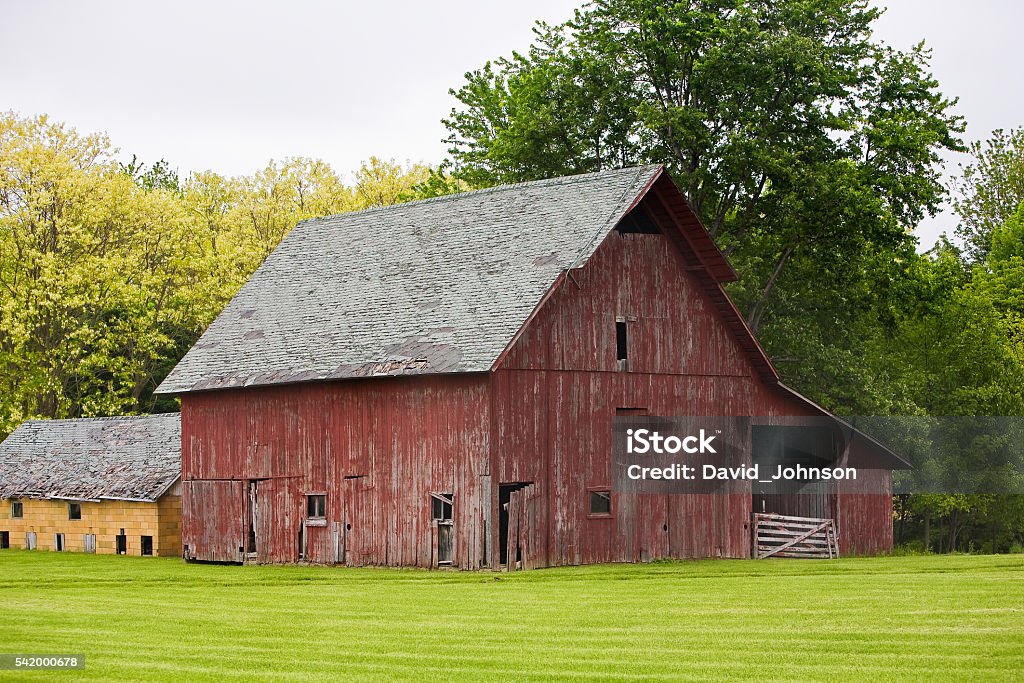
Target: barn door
point(522, 538)
point(213, 520)
point(275, 519)
point(442, 517)
point(252, 520)
point(89, 543)
point(652, 535)
point(353, 528)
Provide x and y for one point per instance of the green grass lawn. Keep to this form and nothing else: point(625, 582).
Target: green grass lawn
point(909, 618)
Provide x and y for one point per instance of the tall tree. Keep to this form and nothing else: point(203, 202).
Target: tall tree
point(991, 188)
point(808, 150)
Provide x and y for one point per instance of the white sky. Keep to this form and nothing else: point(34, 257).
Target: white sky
point(229, 85)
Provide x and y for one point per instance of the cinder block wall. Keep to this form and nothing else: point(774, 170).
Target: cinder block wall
point(161, 520)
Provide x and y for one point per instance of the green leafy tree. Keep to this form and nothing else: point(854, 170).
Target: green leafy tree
point(991, 189)
point(798, 141)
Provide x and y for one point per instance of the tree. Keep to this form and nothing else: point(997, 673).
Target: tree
point(87, 259)
point(109, 272)
point(991, 188)
point(808, 150)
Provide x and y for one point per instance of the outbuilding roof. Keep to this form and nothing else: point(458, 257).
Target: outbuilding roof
point(435, 286)
point(133, 458)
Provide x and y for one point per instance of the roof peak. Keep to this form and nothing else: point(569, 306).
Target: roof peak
point(494, 189)
point(100, 418)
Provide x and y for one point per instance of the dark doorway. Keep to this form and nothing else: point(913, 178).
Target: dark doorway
point(122, 543)
point(250, 537)
point(5, 540)
point(505, 492)
point(774, 446)
point(442, 514)
point(147, 545)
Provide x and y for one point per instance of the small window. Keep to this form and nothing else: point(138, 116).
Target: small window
point(58, 542)
point(601, 503)
point(441, 507)
point(17, 509)
point(122, 543)
point(74, 510)
point(147, 545)
point(621, 347)
point(316, 505)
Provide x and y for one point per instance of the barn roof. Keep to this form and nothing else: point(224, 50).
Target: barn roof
point(134, 458)
point(435, 286)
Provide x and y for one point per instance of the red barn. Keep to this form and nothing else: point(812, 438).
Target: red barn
point(434, 384)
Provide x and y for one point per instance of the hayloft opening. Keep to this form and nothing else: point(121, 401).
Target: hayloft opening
point(621, 341)
point(638, 221)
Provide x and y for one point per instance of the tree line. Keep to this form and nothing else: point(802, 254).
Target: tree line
point(110, 271)
point(809, 149)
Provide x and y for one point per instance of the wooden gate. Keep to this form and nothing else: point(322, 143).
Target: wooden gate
point(783, 536)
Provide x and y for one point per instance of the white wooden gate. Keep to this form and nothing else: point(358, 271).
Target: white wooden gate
point(783, 536)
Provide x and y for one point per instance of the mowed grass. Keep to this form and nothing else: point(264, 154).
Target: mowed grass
point(905, 618)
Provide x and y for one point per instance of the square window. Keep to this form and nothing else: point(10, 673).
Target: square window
point(601, 503)
point(441, 507)
point(17, 509)
point(74, 510)
point(316, 505)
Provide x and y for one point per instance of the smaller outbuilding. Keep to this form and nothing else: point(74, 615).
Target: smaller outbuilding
point(95, 485)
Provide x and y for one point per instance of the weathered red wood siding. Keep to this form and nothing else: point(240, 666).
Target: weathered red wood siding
point(556, 391)
point(865, 519)
point(375, 447)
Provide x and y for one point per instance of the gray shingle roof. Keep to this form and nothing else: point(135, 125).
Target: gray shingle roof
point(435, 286)
point(92, 458)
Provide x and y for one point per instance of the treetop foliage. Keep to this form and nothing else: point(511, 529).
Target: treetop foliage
point(110, 271)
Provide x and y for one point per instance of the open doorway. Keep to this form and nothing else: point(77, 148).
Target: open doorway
point(507, 520)
point(789, 446)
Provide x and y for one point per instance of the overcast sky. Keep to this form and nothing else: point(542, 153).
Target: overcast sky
point(228, 86)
